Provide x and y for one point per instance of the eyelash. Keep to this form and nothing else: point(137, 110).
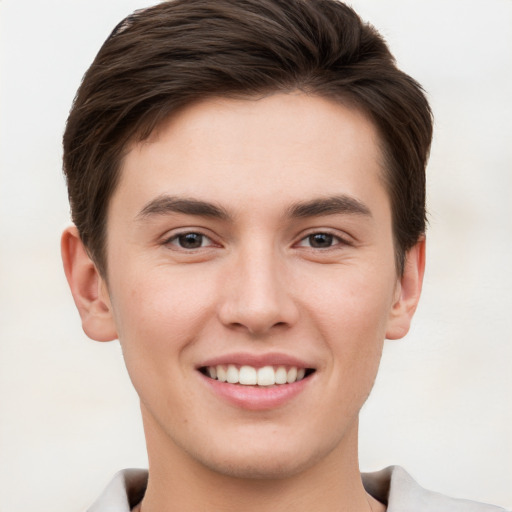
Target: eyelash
point(334, 240)
point(180, 238)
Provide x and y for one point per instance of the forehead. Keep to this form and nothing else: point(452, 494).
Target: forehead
point(279, 147)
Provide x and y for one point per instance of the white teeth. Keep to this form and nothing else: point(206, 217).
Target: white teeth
point(281, 375)
point(251, 376)
point(291, 376)
point(266, 376)
point(248, 376)
point(232, 374)
point(221, 373)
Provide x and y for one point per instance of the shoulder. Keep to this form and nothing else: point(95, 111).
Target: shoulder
point(392, 486)
point(123, 492)
point(395, 487)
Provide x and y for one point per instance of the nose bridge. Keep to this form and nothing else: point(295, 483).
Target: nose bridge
point(257, 294)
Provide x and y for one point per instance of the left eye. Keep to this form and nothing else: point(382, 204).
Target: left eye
point(319, 241)
point(190, 240)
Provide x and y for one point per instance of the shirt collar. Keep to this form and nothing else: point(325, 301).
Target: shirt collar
point(392, 486)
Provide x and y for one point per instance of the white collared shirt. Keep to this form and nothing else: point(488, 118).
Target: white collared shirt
point(392, 486)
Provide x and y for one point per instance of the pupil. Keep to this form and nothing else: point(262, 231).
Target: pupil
point(320, 240)
point(191, 240)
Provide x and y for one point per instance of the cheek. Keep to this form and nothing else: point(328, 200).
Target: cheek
point(352, 302)
point(351, 316)
point(159, 319)
point(158, 314)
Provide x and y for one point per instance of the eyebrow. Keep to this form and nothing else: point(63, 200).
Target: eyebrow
point(333, 205)
point(164, 205)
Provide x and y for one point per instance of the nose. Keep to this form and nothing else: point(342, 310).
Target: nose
point(257, 297)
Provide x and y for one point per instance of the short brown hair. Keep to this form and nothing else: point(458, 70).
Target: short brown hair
point(177, 52)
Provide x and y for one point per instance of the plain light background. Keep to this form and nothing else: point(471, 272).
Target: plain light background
point(442, 404)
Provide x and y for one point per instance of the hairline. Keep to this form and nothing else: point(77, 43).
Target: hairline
point(144, 135)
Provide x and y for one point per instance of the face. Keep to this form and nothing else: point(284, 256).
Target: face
point(251, 281)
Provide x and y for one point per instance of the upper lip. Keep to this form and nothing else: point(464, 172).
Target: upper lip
point(256, 360)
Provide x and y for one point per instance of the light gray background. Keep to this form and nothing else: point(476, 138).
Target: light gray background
point(442, 403)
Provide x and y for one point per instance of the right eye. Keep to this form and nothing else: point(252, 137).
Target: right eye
point(190, 240)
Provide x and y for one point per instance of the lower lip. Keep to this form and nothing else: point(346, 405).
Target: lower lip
point(257, 398)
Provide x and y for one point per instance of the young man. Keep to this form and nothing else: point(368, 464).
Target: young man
point(247, 182)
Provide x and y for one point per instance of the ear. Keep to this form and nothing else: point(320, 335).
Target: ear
point(88, 288)
point(407, 293)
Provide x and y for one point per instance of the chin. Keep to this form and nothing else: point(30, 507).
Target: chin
point(259, 468)
point(256, 462)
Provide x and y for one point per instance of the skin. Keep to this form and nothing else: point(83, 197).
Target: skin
point(258, 283)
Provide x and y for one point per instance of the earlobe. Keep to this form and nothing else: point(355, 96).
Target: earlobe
point(87, 287)
point(408, 292)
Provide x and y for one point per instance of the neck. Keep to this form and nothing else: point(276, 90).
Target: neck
point(178, 481)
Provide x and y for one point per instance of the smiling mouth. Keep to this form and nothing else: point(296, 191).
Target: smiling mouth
point(251, 376)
